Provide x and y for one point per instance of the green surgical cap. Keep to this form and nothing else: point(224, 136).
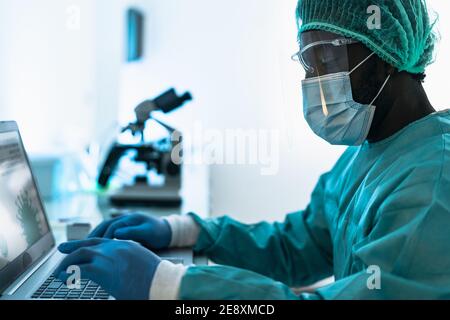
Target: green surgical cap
point(404, 39)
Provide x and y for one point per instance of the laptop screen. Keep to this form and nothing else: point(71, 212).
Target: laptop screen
point(22, 218)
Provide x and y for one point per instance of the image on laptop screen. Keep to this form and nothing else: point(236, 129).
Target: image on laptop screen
point(22, 219)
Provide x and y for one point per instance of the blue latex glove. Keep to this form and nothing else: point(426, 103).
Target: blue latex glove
point(124, 269)
point(153, 233)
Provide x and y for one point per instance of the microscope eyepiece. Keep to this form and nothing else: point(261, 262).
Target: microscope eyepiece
point(170, 101)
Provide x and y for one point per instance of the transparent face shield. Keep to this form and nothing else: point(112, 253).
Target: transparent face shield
point(322, 53)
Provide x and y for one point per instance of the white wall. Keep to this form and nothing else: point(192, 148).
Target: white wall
point(3, 62)
point(437, 83)
point(53, 80)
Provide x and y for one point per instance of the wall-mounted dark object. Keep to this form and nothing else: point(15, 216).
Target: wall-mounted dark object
point(135, 35)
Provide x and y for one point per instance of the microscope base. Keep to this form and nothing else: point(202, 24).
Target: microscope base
point(138, 196)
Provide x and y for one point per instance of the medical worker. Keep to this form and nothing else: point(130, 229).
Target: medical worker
point(383, 209)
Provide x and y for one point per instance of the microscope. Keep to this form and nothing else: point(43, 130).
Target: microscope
point(160, 156)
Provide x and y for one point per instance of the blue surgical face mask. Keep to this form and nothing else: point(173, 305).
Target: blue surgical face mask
point(332, 113)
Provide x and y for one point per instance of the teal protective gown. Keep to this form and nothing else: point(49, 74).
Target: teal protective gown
point(385, 204)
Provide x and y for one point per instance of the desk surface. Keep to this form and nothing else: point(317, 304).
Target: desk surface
point(92, 208)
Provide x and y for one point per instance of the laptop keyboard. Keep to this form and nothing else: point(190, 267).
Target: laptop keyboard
point(54, 288)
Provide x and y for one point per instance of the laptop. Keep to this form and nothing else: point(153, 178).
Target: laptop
point(28, 253)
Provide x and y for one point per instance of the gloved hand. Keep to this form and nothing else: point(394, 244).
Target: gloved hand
point(124, 269)
point(153, 233)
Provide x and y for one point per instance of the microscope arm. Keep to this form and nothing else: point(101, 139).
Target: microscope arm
point(144, 110)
